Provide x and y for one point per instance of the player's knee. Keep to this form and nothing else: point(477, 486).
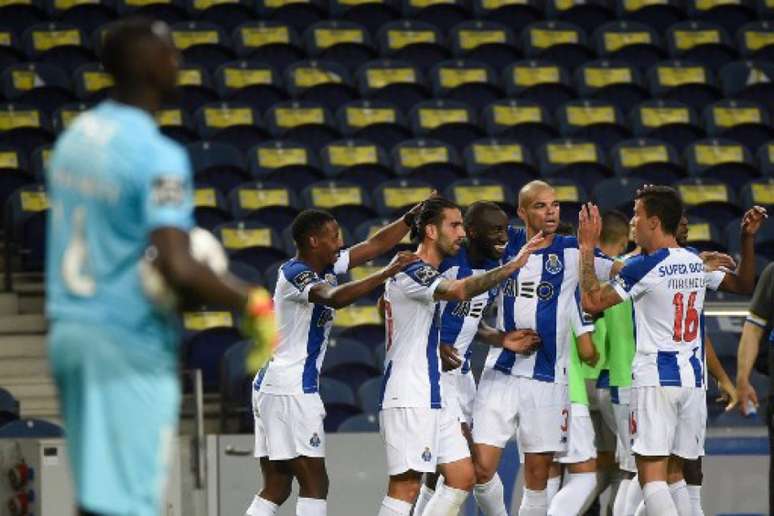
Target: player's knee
point(484, 472)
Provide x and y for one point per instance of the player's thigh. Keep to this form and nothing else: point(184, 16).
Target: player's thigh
point(543, 417)
point(692, 424)
point(311, 474)
point(654, 420)
point(454, 453)
point(411, 439)
point(495, 409)
point(604, 436)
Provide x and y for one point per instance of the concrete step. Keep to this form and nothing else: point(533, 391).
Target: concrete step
point(22, 346)
point(32, 304)
point(22, 367)
point(31, 387)
point(23, 324)
point(9, 303)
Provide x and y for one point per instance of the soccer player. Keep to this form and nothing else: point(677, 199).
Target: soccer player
point(530, 393)
point(117, 186)
point(486, 227)
point(288, 411)
point(418, 435)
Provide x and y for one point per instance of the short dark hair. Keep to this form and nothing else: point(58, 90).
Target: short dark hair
point(307, 223)
point(476, 210)
point(615, 226)
point(664, 203)
point(431, 213)
point(121, 39)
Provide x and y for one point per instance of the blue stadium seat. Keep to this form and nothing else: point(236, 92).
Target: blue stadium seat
point(729, 16)
point(488, 42)
point(335, 392)
point(764, 242)
point(268, 202)
point(362, 233)
point(10, 48)
point(87, 15)
point(373, 120)
point(195, 86)
point(360, 423)
point(721, 160)
point(251, 242)
point(395, 196)
point(709, 199)
point(524, 120)
point(274, 43)
point(431, 161)
point(442, 15)
point(756, 40)
point(348, 202)
point(170, 11)
point(307, 122)
point(399, 83)
point(41, 85)
point(352, 374)
point(688, 82)
point(540, 81)
point(270, 274)
point(617, 193)
point(246, 273)
point(357, 161)
point(468, 81)
point(208, 333)
point(223, 14)
point(705, 236)
point(57, 43)
point(759, 192)
point(236, 386)
point(418, 43)
point(176, 124)
point(64, 116)
point(629, 42)
point(91, 82)
point(15, 172)
point(702, 42)
point(284, 161)
point(19, 16)
point(202, 43)
point(581, 161)
point(652, 160)
point(210, 208)
point(515, 15)
point(561, 42)
point(340, 41)
point(218, 164)
point(237, 124)
point(250, 82)
point(371, 15)
point(616, 82)
point(570, 194)
point(298, 15)
point(669, 121)
point(660, 16)
point(748, 80)
point(587, 15)
point(343, 351)
point(38, 162)
point(765, 9)
point(594, 120)
point(369, 395)
point(325, 82)
point(744, 121)
point(30, 429)
point(452, 122)
point(24, 127)
point(766, 158)
point(26, 211)
point(504, 160)
point(465, 192)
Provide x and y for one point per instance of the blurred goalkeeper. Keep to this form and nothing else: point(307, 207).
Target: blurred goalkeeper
point(118, 186)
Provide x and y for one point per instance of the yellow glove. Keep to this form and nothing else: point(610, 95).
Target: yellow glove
point(260, 325)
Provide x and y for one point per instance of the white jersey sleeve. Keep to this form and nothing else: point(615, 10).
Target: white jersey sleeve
point(714, 279)
point(342, 262)
point(634, 280)
point(301, 279)
point(419, 283)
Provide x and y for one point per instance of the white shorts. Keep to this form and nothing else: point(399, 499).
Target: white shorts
point(623, 448)
point(289, 426)
point(419, 439)
point(580, 438)
point(534, 411)
point(602, 417)
point(459, 391)
point(668, 421)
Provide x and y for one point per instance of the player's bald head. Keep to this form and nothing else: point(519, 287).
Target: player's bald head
point(530, 190)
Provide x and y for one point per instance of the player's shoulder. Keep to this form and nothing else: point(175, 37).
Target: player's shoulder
point(640, 265)
point(420, 272)
point(297, 273)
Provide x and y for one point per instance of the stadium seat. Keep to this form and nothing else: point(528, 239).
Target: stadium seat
point(87, 15)
point(747, 80)
point(208, 333)
point(616, 82)
point(348, 202)
point(466, 81)
point(218, 164)
point(684, 81)
point(234, 123)
point(356, 161)
point(580, 161)
point(594, 120)
point(765, 9)
point(223, 14)
point(324, 82)
point(669, 121)
point(343, 351)
point(759, 192)
point(210, 208)
point(705, 236)
point(365, 231)
point(268, 202)
point(26, 211)
point(92, 83)
point(418, 43)
point(708, 199)
point(202, 43)
point(766, 158)
point(28, 428)
point(617, 193)
point(41, 85)
point(250, 82)
point(504, 160)
point(730, 16)
point(655, 161)
point(307, 122)
point(570, 194)
point(587, 15)
point(701, 42)
point(524, 120)
point(369, 395)
point(352, 375)
point(57, 43)
point(490, 43)
point(9, 407)
point(397, 195)
point(24, 127)
point(764, 241)
point(540, 81)
point(360, 423)
point(560, 42)
point(371, 15)
point(399, 83)
point(744, 121)
point(176, 124)
point(38, 163)
point(270, 274)
point(430, 161)
point(298, 15)
point(10, 49)
point(251, 242)
point(373, 120)
point(286, 162)
point(235, 388)
point(64, 116)
point(756, 41)
point(17, 16)
point(274, 43)
point(340, 41)
point(721, 160)
point(339, 401)
point(443, 15)
point(660, 16)
point(195, 86)
point(360, 322)
point(170, 11)
point(515, 15)
point(452, 122)
point(629, 42)
point(467, 191)
point(15, 172)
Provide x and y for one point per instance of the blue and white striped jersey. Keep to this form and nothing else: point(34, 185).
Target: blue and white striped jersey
point(543, 296)
point(303, 328)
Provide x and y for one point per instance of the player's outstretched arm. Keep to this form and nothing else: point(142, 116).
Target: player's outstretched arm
point(595, 297)
point(715, 368)
point(470, 287)
point(384, 239)
point(742, 281)
point(348, 293)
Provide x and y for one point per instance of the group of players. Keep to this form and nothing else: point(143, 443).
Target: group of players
point(644, 337)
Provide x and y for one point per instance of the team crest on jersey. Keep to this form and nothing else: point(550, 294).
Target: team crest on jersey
point(426, 455)
point(315, 440)
point(330, 278)
point(554, 264)
point(425, 275)
point(545, 291)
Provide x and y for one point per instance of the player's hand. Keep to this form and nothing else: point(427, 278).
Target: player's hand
point(523, 342)
point(450, 359)
point(714, 260)
point(728, 394)
point(589, 225)
point(259, 324)
point(746, 395)
point(526, 250)
point(752, 220)
point(411, 215)
point(398, 263)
